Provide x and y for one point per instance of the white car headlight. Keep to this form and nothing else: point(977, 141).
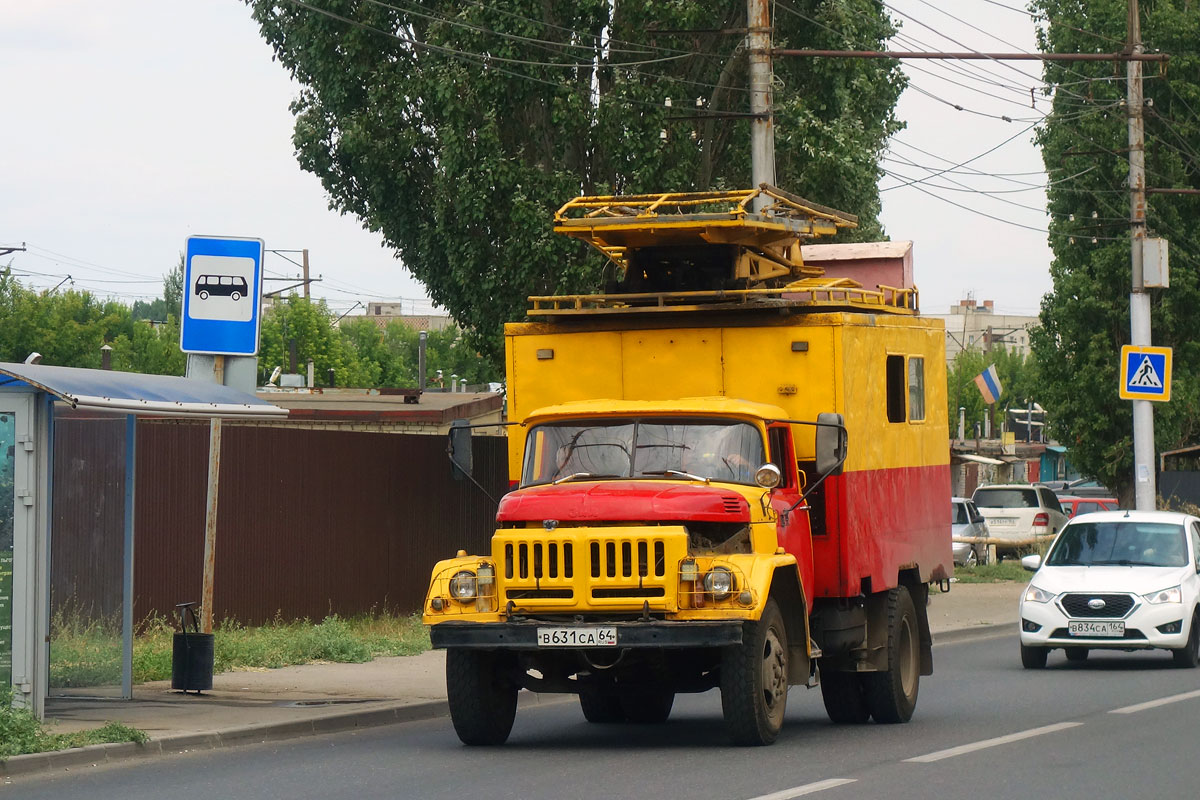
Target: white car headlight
point(1172, 595)
point(462, 586)
point(1035, 595)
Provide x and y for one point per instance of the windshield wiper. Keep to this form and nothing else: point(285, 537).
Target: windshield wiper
point(676, 473)
point(576, 476)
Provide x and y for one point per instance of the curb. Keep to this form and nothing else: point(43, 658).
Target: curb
point(394, 714)
point(94, 755)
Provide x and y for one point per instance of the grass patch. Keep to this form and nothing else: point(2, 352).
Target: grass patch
point(87, 652)
point(1007, 571)
point(22, 733)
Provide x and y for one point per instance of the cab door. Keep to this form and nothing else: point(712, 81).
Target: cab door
point(795, 535)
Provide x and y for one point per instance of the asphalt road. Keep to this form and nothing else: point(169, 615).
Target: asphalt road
point(1120, 725)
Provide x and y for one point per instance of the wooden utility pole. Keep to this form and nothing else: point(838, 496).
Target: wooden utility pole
point(210, 514)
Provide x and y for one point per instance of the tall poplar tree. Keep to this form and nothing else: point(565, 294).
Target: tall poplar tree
point(1085, 319)
point(455, 128)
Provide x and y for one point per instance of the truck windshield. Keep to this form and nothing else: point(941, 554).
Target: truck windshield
point(1149, 544)
point(719, 450)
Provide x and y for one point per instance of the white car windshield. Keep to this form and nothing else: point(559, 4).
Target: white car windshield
point(720, 450)
point(1124, 543)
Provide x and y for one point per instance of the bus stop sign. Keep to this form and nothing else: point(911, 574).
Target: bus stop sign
point(222, 296)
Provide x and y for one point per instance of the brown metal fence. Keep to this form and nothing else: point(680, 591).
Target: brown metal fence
point(310, 522)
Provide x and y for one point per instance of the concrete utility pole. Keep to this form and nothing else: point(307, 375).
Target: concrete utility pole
point(304, 260)
point(762, 126)
point(1145, 490)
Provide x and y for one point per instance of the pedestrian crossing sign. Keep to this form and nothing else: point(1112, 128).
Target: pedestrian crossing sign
point(1145, 373)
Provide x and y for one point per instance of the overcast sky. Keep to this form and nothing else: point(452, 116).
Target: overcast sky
point(129, 125)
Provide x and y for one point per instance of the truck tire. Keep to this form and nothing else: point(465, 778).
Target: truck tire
point(892, 694)
point(600, 708)
point(481, 696)
point(845, 701)
point(650, 707)
point(754, 681)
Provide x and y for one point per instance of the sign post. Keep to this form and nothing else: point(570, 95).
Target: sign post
point(222, 316)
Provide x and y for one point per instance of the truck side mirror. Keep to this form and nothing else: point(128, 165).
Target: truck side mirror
point(831, 444)
point(459, 449)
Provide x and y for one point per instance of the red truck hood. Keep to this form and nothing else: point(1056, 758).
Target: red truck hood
point(623, 501)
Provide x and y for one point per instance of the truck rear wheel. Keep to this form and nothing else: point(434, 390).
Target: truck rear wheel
point(754, 681)
point(600, 708)
point(892, 694)
point(649, 707)
point(481, 696)
point(844, 696)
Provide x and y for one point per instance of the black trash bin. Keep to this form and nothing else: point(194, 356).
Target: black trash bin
point(191, 654)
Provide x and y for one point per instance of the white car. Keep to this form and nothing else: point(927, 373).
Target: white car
point(1019, 514)
point(1115, 580)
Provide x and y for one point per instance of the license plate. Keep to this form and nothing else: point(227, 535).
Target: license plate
point(577, 637)
point(1002, 521)
point(1096, 629)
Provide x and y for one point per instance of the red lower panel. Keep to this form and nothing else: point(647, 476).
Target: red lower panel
point(880, 522)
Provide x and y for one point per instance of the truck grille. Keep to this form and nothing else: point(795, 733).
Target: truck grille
point(590, 568)
point(1115, 605)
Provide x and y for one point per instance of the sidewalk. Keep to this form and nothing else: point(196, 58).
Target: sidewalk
point(322, 698)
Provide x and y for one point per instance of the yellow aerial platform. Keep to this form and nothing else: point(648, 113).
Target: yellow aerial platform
point(680, 251)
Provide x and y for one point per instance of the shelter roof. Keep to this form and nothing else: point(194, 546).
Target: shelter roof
point(136, 393)
point(382, 405)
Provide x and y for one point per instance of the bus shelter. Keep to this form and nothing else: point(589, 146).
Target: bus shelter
point(32, 398)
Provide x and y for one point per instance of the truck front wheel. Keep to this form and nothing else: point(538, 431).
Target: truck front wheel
point(481, 695)
point(754, 681)
point(892, 694)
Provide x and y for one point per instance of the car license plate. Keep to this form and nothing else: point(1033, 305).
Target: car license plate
point(577, 637)
point(1096, 629)
point(1002, 521)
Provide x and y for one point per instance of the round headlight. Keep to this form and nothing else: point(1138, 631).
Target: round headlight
point(768, 476)
point(462, 586)
point(719, 582)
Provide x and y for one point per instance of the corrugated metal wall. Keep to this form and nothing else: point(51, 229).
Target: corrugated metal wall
point(309, 522)
point(88, 515)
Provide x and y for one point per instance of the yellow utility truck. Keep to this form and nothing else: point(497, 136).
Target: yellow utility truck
point(729, 471)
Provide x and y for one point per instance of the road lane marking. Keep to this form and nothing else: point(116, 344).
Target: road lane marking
point(986, 743)
point(1162, 701)
point(808, 788)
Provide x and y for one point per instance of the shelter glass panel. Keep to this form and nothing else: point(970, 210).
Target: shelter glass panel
point(87, 547)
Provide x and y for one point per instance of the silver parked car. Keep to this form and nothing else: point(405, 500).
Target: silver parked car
point(967, 522)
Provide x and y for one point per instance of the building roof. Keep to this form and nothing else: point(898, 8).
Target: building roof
point(380, 405)
point(137, 393)
point(855, 251)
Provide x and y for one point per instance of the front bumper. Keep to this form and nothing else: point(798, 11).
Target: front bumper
point(523, 635)
point(1141, 627)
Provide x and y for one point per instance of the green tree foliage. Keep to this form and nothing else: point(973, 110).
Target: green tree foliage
point(455, 128)
point(360, 353)
point(171, 302)
point(69, 328)
point(1018, 382)
point(1085, 320)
